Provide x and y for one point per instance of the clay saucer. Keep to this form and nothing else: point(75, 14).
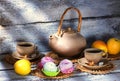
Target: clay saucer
point(11, 58)
point(103, 70)
point(18, 56)
point(102, 63)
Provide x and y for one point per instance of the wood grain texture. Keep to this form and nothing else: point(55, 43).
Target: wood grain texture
point(7, 73)
point(36, 20)
point(11, 76)
point(39, 33)
point(26, 11)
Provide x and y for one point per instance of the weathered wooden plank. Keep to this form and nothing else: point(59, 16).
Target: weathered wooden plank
point(10, 75)
point(39, 33)
point(22, 11)
point(7, 74)
point(4, 65)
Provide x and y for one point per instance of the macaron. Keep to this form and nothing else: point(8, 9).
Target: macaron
point(50, 69)
point(44, 60)
point(50, 66)
point(66, 66)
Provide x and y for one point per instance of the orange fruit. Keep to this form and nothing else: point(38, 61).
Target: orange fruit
point(100, 45)
point(113, 46)
point(22, 67)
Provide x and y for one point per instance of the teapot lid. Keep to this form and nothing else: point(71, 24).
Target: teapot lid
point(69, 30)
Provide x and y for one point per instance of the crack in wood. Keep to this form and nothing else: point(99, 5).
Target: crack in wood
point(73, 19)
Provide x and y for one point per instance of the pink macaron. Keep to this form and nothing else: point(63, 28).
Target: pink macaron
point(45, 60)
point(66, 66)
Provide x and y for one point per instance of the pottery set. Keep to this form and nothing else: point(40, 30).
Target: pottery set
point(93, 57)
point(25, 50)
point(65, 43)
point(95, 62)
point(68, 43)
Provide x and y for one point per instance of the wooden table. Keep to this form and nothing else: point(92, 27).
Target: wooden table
point(7, 74)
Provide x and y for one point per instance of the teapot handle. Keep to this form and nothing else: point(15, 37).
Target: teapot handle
point(61, 21)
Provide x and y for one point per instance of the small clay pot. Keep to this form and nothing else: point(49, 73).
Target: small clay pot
point(25, 48)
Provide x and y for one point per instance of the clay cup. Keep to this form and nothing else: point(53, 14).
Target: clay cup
point(94, 55)
point(25, 48)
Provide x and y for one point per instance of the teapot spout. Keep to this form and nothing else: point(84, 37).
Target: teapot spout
point(51, 37)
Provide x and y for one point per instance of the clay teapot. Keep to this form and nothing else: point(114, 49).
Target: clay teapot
point(68, 43)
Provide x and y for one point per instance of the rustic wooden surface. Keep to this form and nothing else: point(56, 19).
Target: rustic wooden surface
point(39, 33)
point(36, 20)
point(7, 74)
point(26, 11)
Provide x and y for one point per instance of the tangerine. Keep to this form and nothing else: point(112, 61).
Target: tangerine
point(113, 46)
point(100, 45)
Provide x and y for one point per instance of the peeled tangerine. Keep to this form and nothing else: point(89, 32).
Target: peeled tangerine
point(100, 45)
point(22, 67)
point(113, 46)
